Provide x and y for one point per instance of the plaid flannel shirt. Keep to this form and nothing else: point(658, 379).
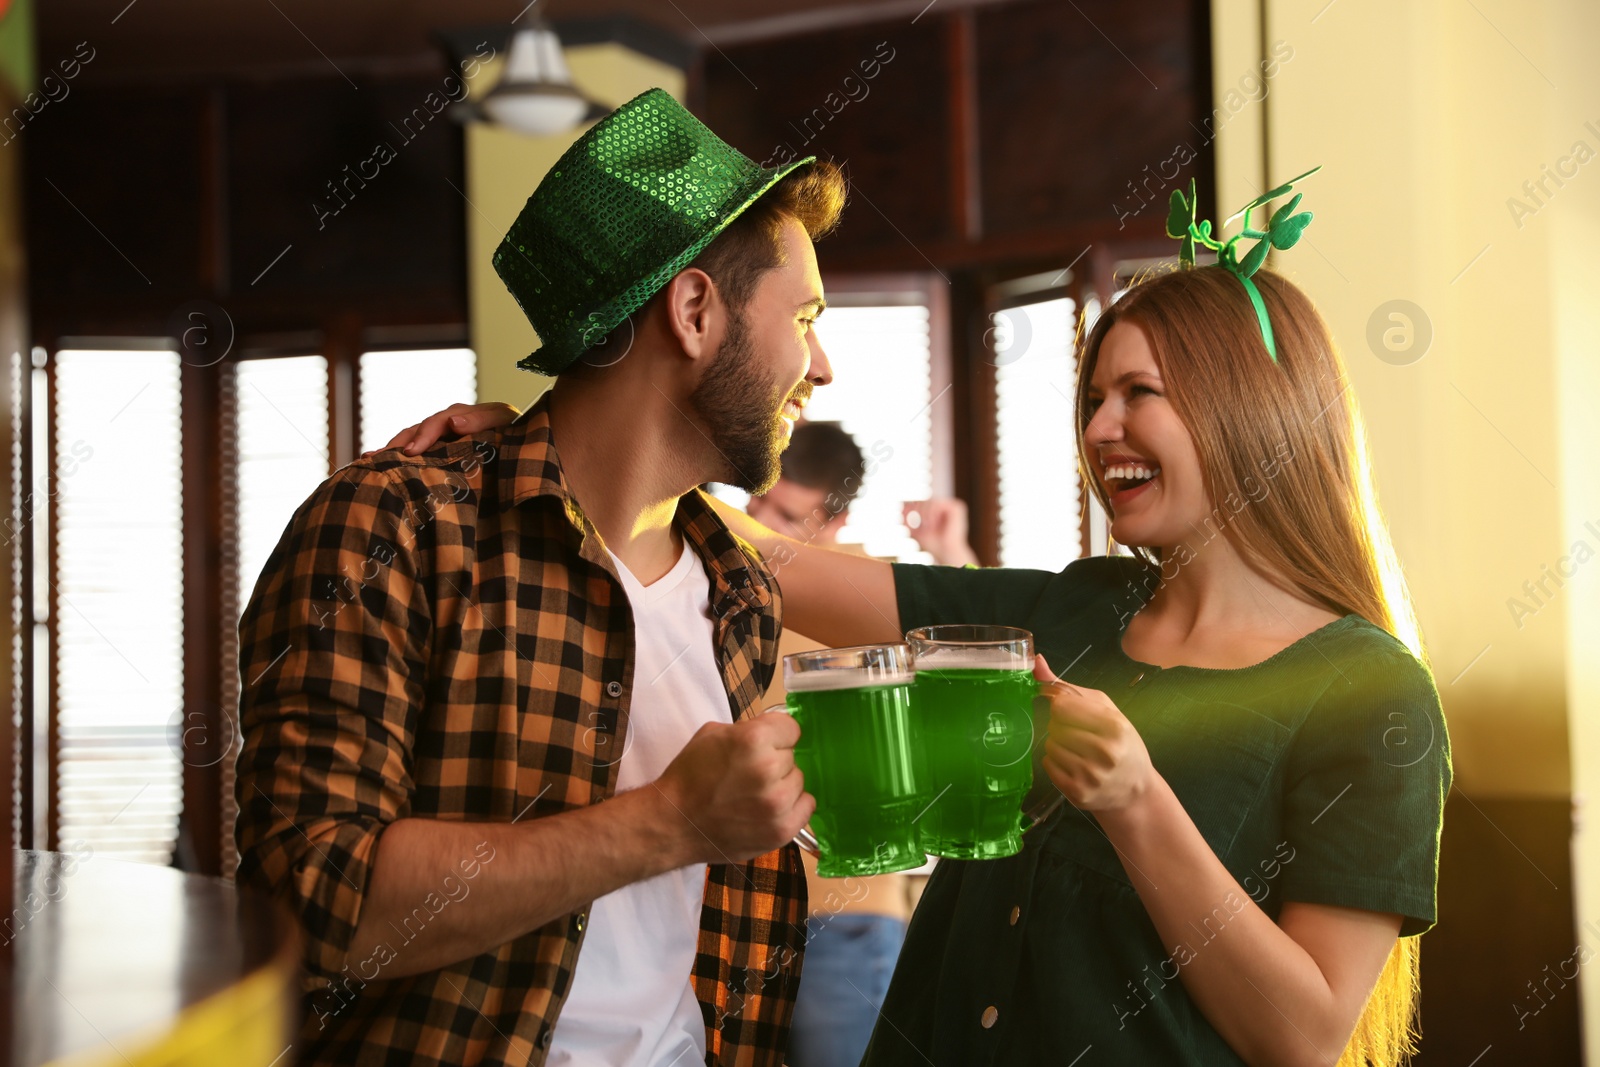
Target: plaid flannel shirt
point(444, 636)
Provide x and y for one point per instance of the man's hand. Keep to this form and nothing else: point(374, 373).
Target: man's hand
point(939, 527)
point(457, 420)
point(737, 789)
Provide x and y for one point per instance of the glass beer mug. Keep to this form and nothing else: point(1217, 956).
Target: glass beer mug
point(974, 712)
point(859, 752)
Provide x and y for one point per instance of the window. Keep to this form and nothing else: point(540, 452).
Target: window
point(884, 337)
point(281, 439)
point(113, 451)
point(882, 396)
point(1035, 378)
point(281, 413)
point(401, 388)
point(117, 599)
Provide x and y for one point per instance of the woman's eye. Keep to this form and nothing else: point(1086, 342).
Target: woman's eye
point(1138, 389)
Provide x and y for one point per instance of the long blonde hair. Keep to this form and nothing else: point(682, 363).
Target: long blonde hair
point(1314, 522)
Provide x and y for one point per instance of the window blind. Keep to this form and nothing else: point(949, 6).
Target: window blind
point(281, 437)
point(881, 394)
point(402, 387)
point(117, 599)
point(1037, 443)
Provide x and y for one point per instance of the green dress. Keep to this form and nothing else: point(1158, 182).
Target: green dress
point(1318, 775)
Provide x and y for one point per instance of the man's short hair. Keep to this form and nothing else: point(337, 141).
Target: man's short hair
point(821, 455)
point(753, 243)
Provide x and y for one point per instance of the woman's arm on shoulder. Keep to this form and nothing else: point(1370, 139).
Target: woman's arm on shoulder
point(836, 598)
point(831, 597)
point(457, 420)
point(841, 598)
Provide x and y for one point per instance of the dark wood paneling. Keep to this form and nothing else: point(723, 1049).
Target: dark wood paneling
point(995, 135)
point(977, 466)
point(888, 130)
point(113, 188)
point(14, 344)
point(341, 347)
point(1505, 920)
point(356, 185)
point(202, 188)
point(1077, 100)
point(961, 60)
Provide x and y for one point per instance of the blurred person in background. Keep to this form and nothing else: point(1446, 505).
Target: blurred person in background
point(820, 476)
point(939, 526)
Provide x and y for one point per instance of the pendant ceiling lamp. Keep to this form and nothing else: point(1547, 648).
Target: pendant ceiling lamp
point(535, 95)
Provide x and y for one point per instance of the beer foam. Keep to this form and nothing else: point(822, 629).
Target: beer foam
point(972, 659)
point(847, 678)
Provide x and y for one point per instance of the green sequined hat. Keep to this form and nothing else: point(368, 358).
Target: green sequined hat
point(628, 206)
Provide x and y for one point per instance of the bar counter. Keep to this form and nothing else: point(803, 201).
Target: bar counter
point(106, 962)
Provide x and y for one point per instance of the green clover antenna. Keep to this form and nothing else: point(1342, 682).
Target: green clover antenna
point(1283, 230)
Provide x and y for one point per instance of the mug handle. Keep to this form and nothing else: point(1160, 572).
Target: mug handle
point(1041, 812)
point(805, 838)
point(1046, 806)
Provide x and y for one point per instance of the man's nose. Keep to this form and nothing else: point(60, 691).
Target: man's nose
point(821, 371)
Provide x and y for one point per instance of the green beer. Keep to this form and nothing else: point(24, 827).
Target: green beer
point(858, 752)
point(974, 698)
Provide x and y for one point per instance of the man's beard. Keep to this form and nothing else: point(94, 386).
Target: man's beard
point(740, 407)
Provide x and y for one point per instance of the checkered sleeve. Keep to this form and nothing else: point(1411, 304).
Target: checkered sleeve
point(333, 654)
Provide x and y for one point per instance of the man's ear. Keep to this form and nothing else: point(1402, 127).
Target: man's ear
point(694, 312)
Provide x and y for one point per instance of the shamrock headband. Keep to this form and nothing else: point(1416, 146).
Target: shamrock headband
point(1283, 230)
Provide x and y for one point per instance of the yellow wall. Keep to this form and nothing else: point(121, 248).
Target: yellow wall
point(503, 168)
point(1429, 115)
point(1426, 120)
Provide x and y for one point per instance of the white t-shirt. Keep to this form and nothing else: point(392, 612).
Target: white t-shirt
point(632, 1004)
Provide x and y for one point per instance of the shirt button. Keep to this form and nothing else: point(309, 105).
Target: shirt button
point(613, 689)
point(990, 1014)
point(546, 1032)
point(1137, 678)
point(1016, 913)
point(580, 920)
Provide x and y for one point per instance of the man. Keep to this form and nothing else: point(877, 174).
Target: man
point(500, 755)
point(819, 476)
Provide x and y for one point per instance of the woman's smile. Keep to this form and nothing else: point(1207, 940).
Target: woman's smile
point(1127, 477)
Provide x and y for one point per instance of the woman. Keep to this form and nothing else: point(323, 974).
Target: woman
point(1254, 753)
